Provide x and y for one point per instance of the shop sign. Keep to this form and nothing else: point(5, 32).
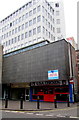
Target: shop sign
point(20, 85)
point(53, 74)
point(45, 83)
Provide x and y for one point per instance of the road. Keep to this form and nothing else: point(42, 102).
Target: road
point(57, 113)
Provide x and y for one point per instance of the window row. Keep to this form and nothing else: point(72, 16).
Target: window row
point(22, 27)
point(23, 36)
point(23, 17)
point(20, 10)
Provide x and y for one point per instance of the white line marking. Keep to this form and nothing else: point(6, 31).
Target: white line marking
point(30, 113)
point(48, 115)
point(39, 114)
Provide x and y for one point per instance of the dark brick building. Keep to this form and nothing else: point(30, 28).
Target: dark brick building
point(26, 72)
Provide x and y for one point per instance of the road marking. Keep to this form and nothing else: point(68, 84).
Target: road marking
point(49, 115)
point(38, 114)
point(30, 113)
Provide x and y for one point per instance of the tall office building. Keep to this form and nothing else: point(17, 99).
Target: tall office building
point(32, 23)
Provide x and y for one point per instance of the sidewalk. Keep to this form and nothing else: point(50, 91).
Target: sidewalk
point(32, 106)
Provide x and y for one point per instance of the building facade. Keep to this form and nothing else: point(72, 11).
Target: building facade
point(77, 59)
point(1, 71)
point(32, 23)
point(43, 69)
point(78, 25)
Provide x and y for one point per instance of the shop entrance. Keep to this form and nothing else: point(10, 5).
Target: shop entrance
point(48, 93)
point(27, 94)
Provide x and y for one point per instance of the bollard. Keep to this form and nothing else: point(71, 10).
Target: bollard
point(21, 103)
point(55, 102)
point(68, 103)
point(38, 103)
point(6, 101)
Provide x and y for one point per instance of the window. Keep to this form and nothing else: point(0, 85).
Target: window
point(49, 34)
point(19, 19)
point(46, 12)
point(19, 38)
point(26, 34)
point(34, 10)
point(57, 13)
point(30, 4)
point(46, 21)
point(58, 30)
point(26, 15)
point(53, 21)
point(34, 20)
point(30, 33)
point(44, 30)
point(48, 15)
point(15, 39)
point(15, 30)
point(30, 13)
point(39, 18)
point(22, 26)
point(30, 22)
point(19, 28)
point(26, 24)
point(58, 21)
point(34, 31)
point(38, 8)
point(57, 5)
point(22, 36)
point(42, 9)
point(12, 31)
point(23, 17)
point(53, 29)
point(43, 19)
point(48, 24)
point(39, 29)
point(34, 2)
point(10, 24)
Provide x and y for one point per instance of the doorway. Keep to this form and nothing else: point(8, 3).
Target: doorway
point(27, 94)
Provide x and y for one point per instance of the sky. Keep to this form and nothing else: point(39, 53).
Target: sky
point(70, 12)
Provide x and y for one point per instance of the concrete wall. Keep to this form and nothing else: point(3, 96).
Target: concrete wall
point(33, 65)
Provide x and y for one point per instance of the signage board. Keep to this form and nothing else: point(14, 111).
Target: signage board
point(53, 74)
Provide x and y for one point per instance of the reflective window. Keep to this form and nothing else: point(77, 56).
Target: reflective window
point(39, 18)
point(30, 13)
point(34, 10)
point(38, 8)
point(39, 29)
point(34, 31)
point(30, 22)
point(34, 20)
point(30, 33)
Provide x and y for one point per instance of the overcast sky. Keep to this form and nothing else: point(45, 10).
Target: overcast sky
point(70, 10)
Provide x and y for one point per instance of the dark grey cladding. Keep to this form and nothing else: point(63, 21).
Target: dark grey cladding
point(33, 65)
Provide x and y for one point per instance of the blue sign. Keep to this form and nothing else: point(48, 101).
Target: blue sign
point(53, 74)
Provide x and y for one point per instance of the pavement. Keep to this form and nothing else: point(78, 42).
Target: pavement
point(32, 106)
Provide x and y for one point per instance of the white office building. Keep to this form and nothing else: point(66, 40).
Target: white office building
point(34, 22)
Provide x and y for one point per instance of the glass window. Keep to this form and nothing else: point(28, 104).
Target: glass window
point(23, 17)
point(26, 34)
point(45, 12)
point(44, 30)
point(58, 30)
point(57, 13)
point(48, 24)
point(19, 28)
point(58, 21)
point(49, 34)
point(39, 18)
point(15, 30)
point(30, 4)
point(34, 10)
point(42, 8)
point(19, 19)
point(22, 36)
point(26, 15)
point(38, 8)
point(34, 20)
point(39, 29)
point(26, 24)
point(34, 31)
point(30, 33)
point(53, 29)
point(30, 13)
point(19, 38)
point(57, 5)
point(12, 31)
point(22, 26)
point(30, 22)
point(34, 2)
point(43, 19)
